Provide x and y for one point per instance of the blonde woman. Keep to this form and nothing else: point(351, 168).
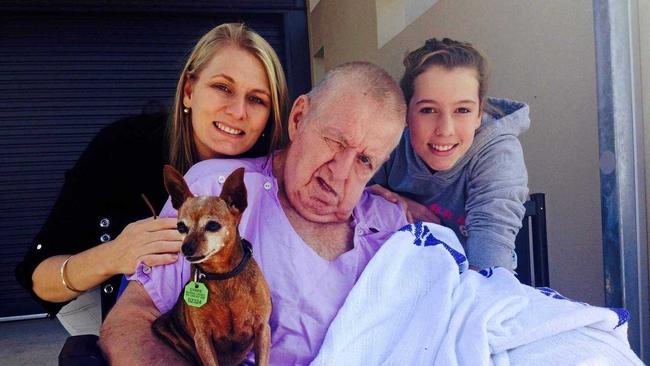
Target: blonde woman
point(230, 101)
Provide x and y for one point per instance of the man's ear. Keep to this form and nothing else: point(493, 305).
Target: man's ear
point(176, 186)
point(298, 113)
point(187, 91)
point(234, 190)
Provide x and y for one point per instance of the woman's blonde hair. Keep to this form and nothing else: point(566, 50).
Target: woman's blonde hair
point(182, 148)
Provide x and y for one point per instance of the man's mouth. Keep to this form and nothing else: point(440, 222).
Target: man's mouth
point(326, 187)
point(227, 129)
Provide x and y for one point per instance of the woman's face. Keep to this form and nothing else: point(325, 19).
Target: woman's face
point(230, 102)
point(443, 115)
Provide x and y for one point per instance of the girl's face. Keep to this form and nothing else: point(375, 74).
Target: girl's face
point(443, 115)
point(230, 102)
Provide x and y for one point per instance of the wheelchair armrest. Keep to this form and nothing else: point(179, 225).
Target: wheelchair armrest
point(82, 350)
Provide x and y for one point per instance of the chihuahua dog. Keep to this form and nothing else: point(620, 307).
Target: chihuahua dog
point(224, 310)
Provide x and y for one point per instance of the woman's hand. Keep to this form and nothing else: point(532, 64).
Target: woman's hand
point(414, 211)
point(151, 241)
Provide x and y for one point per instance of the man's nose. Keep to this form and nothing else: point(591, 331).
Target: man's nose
point(342, 163)
point(237, 107)
point(444, 125)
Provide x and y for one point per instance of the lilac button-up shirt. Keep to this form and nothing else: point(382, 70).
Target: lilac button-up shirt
point(306, 290)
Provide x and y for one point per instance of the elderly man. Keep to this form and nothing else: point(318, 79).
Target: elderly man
point(312, 225)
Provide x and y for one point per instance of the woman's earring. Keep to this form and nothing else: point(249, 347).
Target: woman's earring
point(186, 110)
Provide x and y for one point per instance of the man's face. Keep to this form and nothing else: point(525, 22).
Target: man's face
point(334, 152)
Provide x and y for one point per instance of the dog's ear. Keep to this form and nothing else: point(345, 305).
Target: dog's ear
point(234, 190)
point(176, 186)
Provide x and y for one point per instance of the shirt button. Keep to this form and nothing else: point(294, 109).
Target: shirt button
point(108, 289)
point(146, 269)
point(267, 185)
point(360, 231)
point(38, 246)
point(221, 179)
point(104, 222)
point(104, 238)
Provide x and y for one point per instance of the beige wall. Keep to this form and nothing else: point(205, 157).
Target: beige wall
point(542, 53)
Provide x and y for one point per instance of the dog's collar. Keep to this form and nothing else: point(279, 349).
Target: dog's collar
point(248, 252)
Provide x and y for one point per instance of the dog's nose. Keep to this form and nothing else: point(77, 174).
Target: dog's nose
point(189, 248)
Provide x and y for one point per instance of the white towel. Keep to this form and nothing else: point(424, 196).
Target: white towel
point(416, 304)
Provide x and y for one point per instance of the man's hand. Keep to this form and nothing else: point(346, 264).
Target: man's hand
point(414, 211)
point(126, 336)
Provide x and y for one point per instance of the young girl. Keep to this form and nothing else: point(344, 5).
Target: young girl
point(230, 101)
point(460, 159)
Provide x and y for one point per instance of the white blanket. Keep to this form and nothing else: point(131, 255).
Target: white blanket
point(416, 304)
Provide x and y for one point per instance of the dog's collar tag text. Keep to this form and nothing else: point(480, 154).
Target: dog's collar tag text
point(195, 294)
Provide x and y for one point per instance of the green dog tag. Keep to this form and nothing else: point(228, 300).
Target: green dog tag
point(195, 294)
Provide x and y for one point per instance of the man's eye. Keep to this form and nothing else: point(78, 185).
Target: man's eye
point(365, 160)
point(427, 110)
point(212, 226)
point(463, 110)
point(182, 228)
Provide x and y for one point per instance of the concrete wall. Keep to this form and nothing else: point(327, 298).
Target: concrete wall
point(644, 57)
point(644, 53)
point(542, 53)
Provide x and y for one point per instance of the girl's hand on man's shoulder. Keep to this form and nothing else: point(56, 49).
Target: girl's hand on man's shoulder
point(414, 211)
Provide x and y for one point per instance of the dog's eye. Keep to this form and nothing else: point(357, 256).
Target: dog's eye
point(182, 228)
point(212, 226)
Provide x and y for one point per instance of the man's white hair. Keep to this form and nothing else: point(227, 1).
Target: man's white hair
point(363, 78)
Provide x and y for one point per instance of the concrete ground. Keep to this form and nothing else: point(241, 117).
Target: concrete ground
point(31, 342)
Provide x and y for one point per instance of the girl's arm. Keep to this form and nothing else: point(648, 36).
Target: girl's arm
point(496, 192)
point(414, 211)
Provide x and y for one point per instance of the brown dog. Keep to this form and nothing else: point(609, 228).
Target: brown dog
point(234, 318)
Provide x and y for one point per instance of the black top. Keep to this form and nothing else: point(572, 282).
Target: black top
point(101, 195)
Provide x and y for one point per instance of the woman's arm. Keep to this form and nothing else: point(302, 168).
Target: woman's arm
point(102, 176)
point(153, 242)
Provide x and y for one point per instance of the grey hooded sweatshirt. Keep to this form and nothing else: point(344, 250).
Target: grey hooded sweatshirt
point(481, 197)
